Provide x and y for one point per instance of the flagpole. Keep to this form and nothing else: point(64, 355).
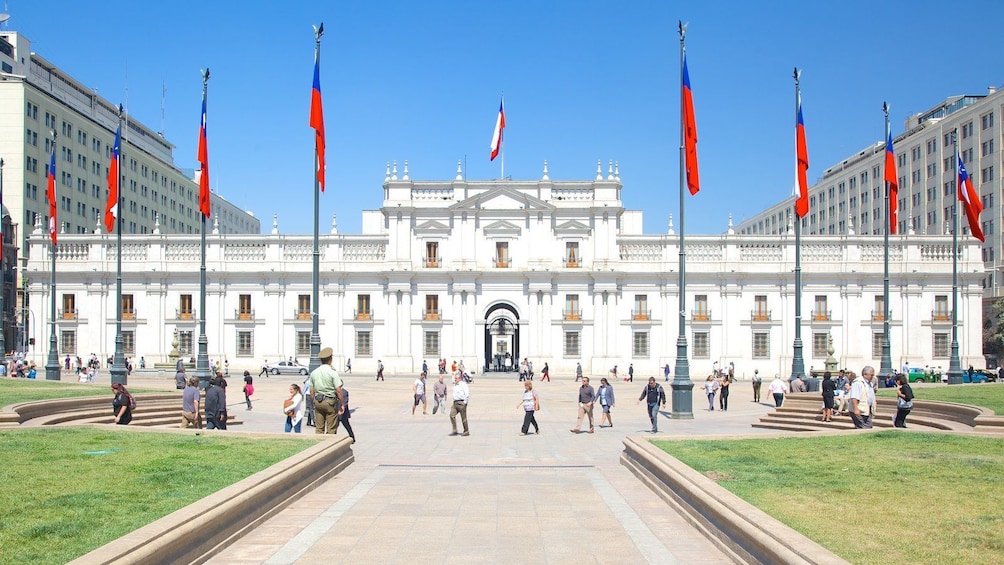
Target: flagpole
point(797, 363)
point(954, 364)
point(3, 274)
point(682, 387)
point(202, 359)
point(52, 363)
point(885, 368)
point(315, 337)
point(119, 373)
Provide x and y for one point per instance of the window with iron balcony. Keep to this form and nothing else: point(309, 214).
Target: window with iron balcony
point(941, 313)
point(760, 312)
point(820, 312)
point(502, 255)
point(244, 311)
point(363, 311)
point(431, 311)
point(572, 254)
point(572, 311)
point(303, 307)
point(640, 312)
point(700, 313)
point(128, 312)
point(432, 258)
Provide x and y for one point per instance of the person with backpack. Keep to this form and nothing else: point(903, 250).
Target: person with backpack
point(123, 404)
point(655, 397)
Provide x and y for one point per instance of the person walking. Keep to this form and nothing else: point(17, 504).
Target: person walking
point(180, 378)
point(264, 368)
point(861, 399)
point(578, 372)
point(461, 396)
point(530, 403)
point(778, 388)
point(439, 395)
point(425, 368)
point(723, 392)
point(379, 376)
point(655, 397)
point(586, 398)
point(216, 404)
point(904, 400)
point(710, 388)
point(326, 385)
point(418, 389)
point(631, 372)
point(665, 372)
point(190, 413)
point(293, 408)
point(829, 393)
point(122, 404)
point(605, 395)
point(346, 414)
point(757, 381)
point(348, 365)
point(545, 374)
point(249, 388)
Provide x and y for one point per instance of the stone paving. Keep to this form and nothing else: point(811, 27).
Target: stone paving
point(417, 495)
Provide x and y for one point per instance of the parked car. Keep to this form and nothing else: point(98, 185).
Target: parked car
point(919, 375)
point(978, 377)
point(287, 368)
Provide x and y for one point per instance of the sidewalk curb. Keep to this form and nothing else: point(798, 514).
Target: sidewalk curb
point(744, 532)
point(199, 531)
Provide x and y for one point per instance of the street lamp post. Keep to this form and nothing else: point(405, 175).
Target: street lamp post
point(3, 274)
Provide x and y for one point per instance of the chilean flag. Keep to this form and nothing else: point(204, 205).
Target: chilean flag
point(801, 164)
point(689, 132)
point(970, 201)
point(50, 194)
point(112, 207)
point(317, 120)
point(499, 126)
point(204, 199)
point(890, 177)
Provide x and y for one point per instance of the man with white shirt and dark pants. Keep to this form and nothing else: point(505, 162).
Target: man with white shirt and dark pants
point(461, 395)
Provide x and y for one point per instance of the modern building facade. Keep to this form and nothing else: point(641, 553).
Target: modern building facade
point(850, 196)
point(553, 271)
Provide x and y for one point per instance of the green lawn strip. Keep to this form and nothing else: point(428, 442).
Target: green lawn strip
point(921, 498)
point(989, 395)
point(15, 391)
point(68, 491)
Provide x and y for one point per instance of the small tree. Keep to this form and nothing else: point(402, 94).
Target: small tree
point(993, 329)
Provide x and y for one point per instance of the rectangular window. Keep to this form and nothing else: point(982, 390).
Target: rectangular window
point(364, 344)
point(502, 254)
point(572, 311)
point(761, 345)
point(641, 311)
point(701, 312)
point(244, 311)
point(987, 121)
point(940, 345)
point(128, 309)
point(129, 342)
point(987, 147)
point(571, 254)
point(432, 254)
point(639, 344)
point(820, 312)
point(363, 307)
point(941, 312)
point(245, 343)
point(430, 344)
point(877, 345)
point(702, 345)
point(572, 344)
point(68, 342)
point(987, 174)
point(878, 311)
point(303, 343)
point(303, 307)
point(820, 342)
point(760, 312)
point(185, 341)
point(431, 307)
point(69, 307)
point(185, 307)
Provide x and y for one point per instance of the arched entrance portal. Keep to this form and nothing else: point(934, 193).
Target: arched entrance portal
point(501, 337)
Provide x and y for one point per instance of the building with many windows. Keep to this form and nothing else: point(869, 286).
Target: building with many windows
point(850, 196)
point(553, 271)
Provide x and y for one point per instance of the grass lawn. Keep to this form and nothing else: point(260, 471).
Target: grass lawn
point(67, 491)
point(922, 498)
point(14, 391)
point(988, 395)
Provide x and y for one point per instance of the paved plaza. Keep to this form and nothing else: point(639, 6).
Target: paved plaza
point(417, 495)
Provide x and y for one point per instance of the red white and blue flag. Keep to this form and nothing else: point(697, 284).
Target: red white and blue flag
point(317, 120)
point(893, 182)
point(970, 201)
point(801, 164)
point(112, 207)
point(204, 198)
point(689, 133)
point(50, 194)
point(499, 126)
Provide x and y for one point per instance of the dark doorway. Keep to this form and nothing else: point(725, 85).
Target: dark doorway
point(501, 337)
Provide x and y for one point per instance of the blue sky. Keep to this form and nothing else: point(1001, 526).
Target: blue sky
point(584, 80)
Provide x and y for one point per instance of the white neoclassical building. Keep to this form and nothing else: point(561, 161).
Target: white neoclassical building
point(554, 271)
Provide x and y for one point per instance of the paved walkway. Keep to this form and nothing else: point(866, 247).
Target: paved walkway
point(417, 495)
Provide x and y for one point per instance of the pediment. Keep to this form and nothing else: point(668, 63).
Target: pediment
point(502, 228)
point(572, 228)
point(503, 198)
point(432, 227)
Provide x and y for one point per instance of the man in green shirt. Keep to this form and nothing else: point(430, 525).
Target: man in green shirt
point(326, 386)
